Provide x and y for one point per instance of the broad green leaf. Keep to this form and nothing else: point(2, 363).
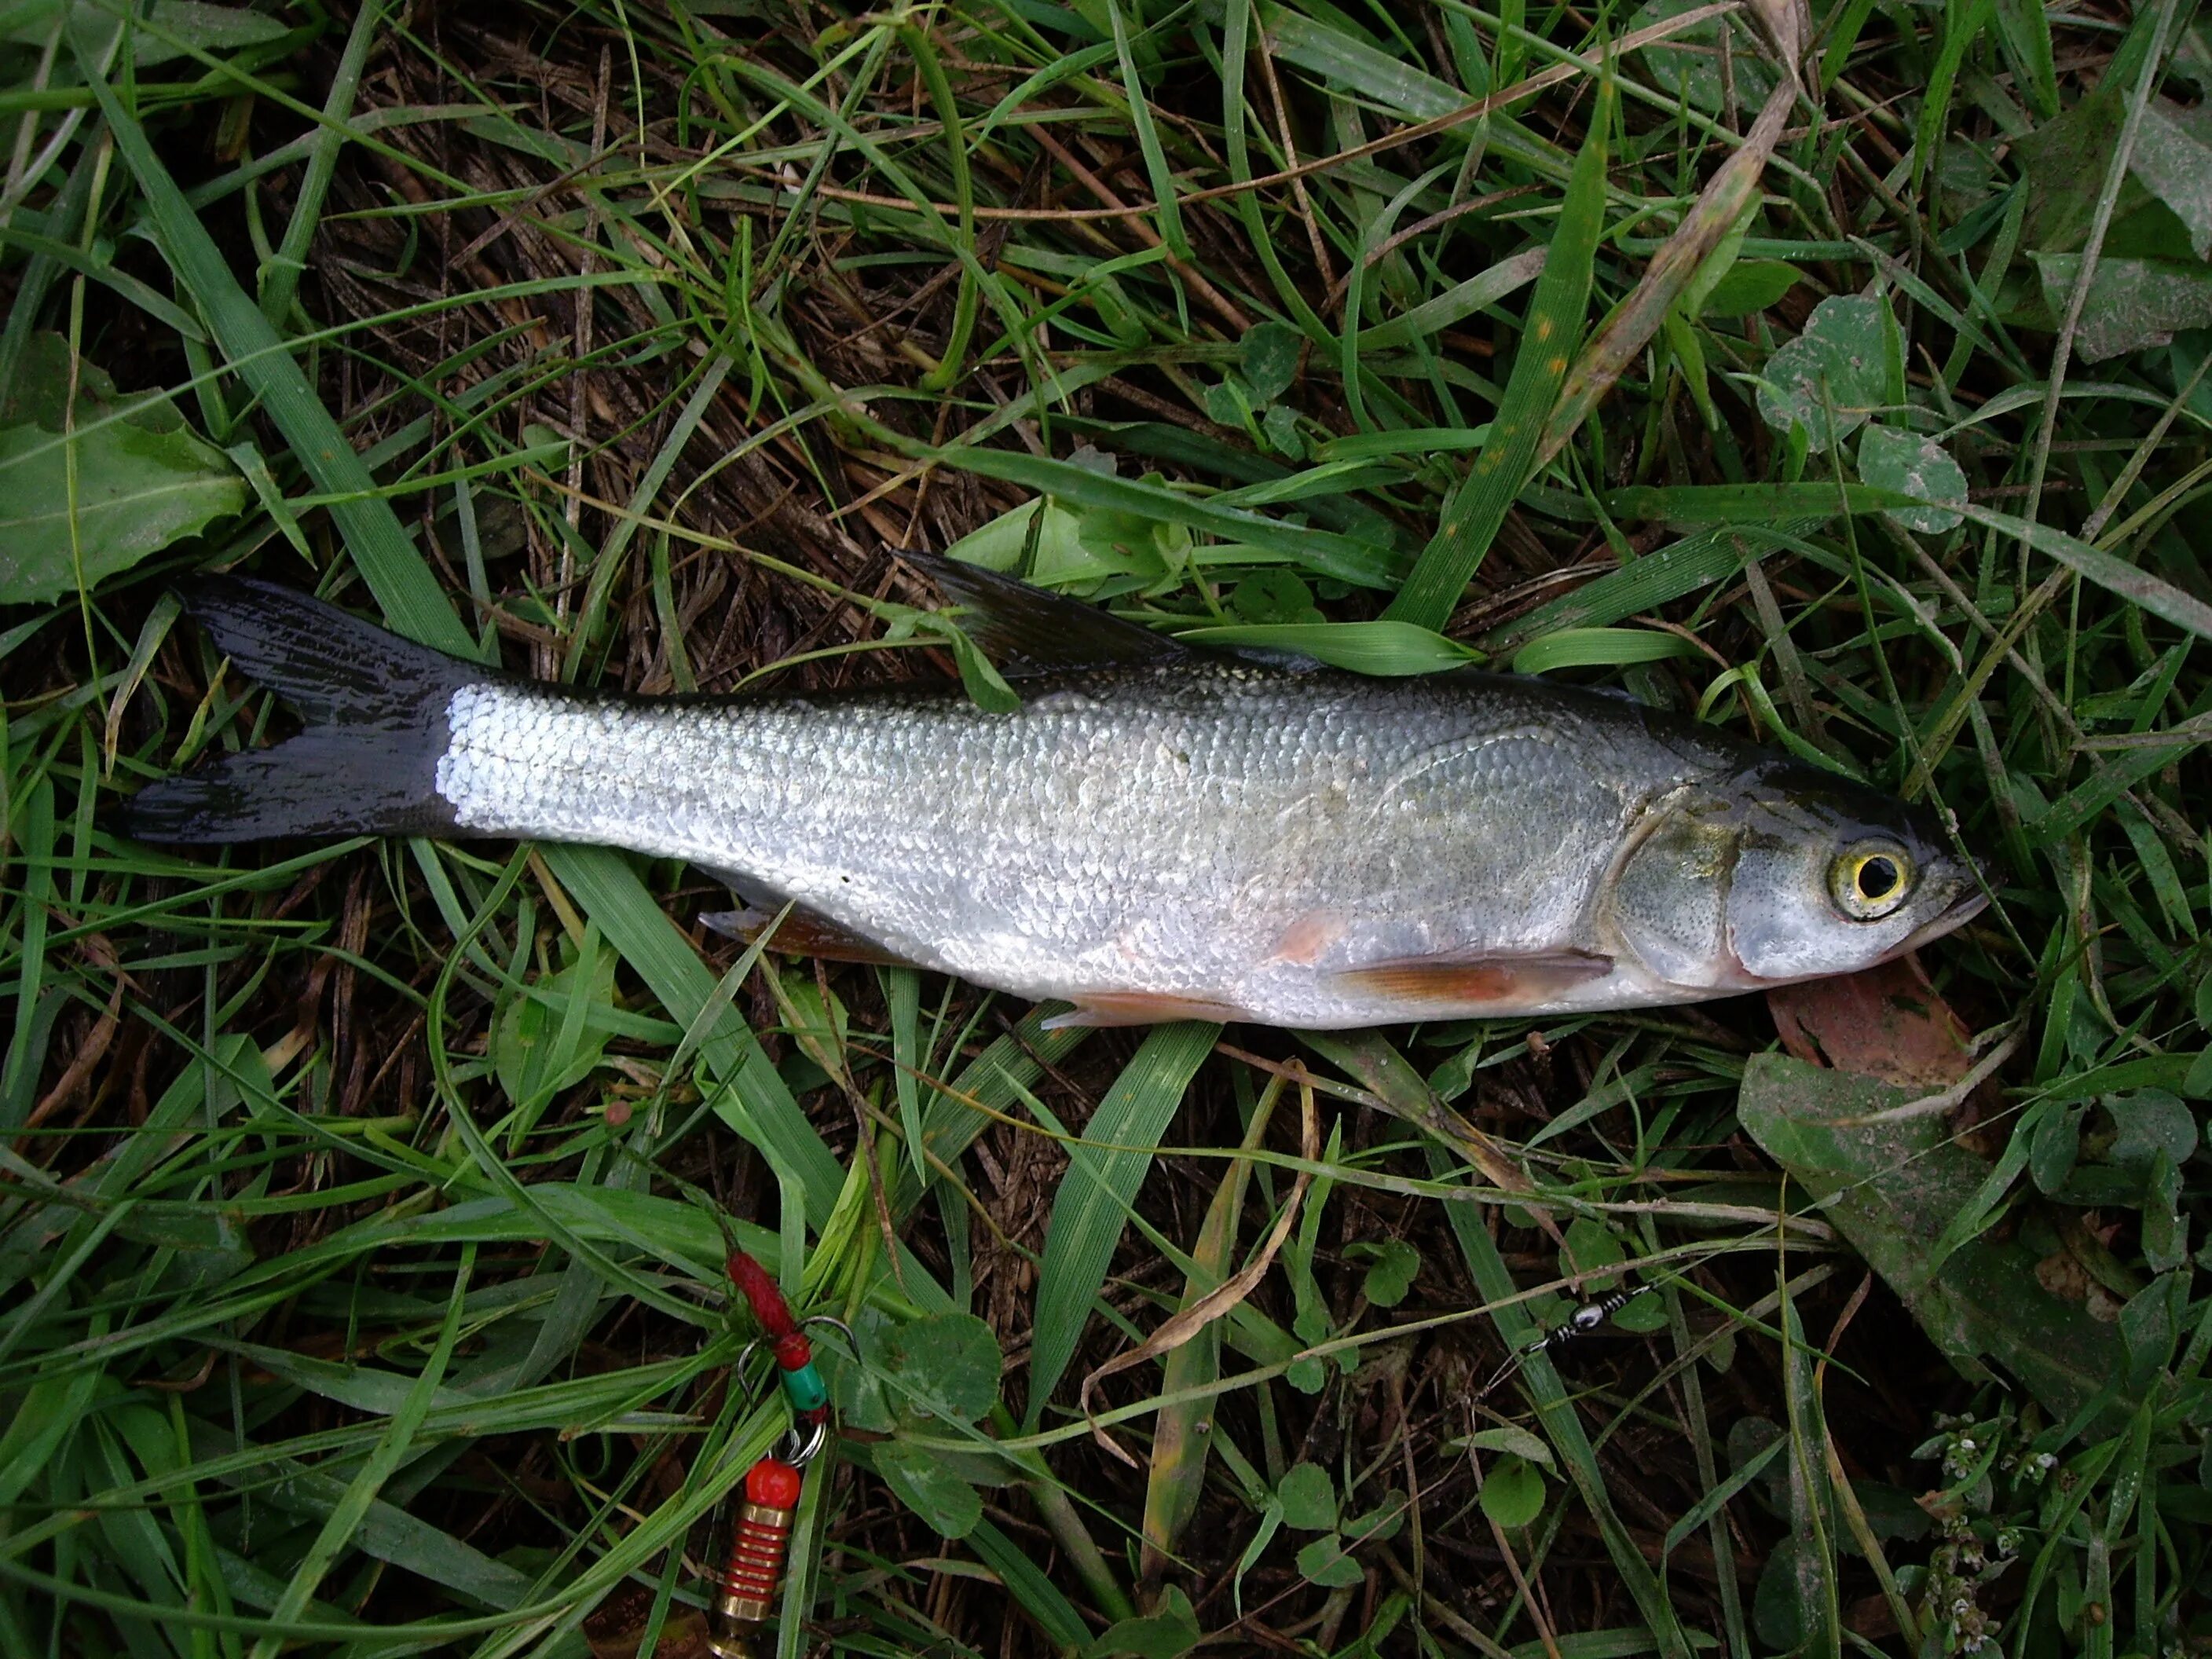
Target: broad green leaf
point(1910, 464)
point(918, 1475)
point(2152, 1123)
point(2173, 157)
point(1591, 1247)
point(40, 392)
point(1308, 1498)
point(1508, 1438)
point(1169, 1633)
point(1833, 375)
point(1105, 1169)
point(1271, 360)
point(2132, 303)
point(1382, 1524)
point(857, 1389)
point(1271, 598)
point(1786, 1607)
point(1512, 1491)
point(2148, 1326)
point(175, 25)
point(1379, 647)
point(1366, 564)
point(946, 1364)
point(1326, 1561)
point(1688, 64)
point(1596, 647)
point(1749, 287)
point(1395, 1266)
point(980, 677)
point(2054, 1145)
point(2198, 1085)
point(164, 31)
point(2165, 1228)
point(546, 1043)
point(2066, 160)
point(75, 511)
point(1892, 1186)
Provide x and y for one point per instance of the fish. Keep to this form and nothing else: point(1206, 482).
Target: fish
point(1155, 833)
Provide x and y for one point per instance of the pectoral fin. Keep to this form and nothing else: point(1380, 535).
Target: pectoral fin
point(802, 933)
point(1462, 980)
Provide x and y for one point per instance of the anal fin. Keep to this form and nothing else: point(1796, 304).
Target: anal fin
point(1140, 1008)
point(801, 933)
point(1463, 980)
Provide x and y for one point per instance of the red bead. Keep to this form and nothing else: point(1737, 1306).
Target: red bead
point(794, 1351)
point(773, 1484)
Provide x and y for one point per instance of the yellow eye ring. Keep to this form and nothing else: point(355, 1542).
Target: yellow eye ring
point(1870, 880)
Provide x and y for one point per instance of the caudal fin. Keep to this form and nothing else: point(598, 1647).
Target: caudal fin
point(375, 706)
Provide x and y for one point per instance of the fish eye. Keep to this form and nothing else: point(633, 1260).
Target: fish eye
point(1870, 880)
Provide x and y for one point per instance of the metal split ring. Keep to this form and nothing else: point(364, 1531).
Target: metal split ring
point(800, 1444)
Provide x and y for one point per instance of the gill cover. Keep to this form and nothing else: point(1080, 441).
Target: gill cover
point(1780, 873)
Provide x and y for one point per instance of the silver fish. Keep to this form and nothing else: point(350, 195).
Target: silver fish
point(1154, 834)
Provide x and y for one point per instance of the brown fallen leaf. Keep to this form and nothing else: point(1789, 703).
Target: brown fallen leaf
point(615, 1628)
point(1885, 1023)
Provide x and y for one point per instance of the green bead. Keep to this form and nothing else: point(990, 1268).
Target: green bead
point(804, 1389)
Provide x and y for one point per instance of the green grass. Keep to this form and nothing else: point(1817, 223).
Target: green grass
point(364, 1204)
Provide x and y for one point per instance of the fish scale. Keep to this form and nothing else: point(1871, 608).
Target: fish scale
point(1164, 834)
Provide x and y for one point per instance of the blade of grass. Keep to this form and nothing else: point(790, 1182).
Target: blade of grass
point(1105, 1169)
point(1478, 507)
point(280, 276)
point(618, 901)
point(1719, 209)
point(1562, 1426)
point(396, 573)
point(1179, 1445)
point(391, 1449)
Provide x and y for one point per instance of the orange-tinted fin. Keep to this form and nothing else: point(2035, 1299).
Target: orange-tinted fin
point(804, 933)
point(1472, 981)
point(1305, 939)
point(1140, 1008)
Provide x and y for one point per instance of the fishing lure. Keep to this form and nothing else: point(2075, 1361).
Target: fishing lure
point(741, 1623)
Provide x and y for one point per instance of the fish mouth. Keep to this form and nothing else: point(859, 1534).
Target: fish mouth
point(1960, 911)
point(1954, 915)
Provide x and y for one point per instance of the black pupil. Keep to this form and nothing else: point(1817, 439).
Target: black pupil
point(1877, 878)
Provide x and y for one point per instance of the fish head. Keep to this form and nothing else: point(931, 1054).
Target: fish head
point(1780, 872)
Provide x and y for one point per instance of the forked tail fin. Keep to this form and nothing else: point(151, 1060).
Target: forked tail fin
point(375, 706)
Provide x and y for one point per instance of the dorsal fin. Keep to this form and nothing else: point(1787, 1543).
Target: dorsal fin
point(1027, 630)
